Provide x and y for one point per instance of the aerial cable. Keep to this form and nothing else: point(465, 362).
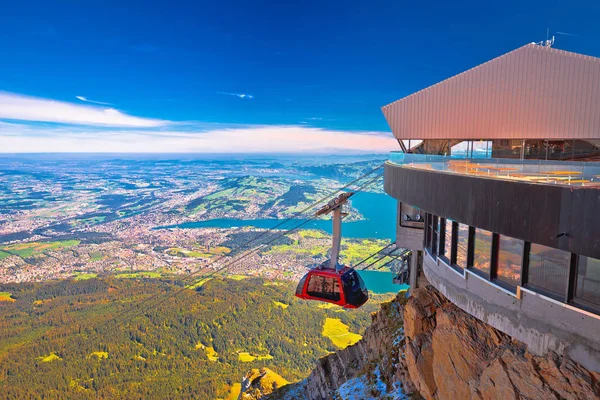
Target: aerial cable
point(389, 254)
point(373, 255)
point(137, 311)
point(256, 249)
point(279, 235)
point(389, 262)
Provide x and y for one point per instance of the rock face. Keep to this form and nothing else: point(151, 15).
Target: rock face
point(432, 349)
point(379, 350)
point(452, 355)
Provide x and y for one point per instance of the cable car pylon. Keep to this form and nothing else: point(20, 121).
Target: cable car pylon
point(331, 282)
point(335, 207)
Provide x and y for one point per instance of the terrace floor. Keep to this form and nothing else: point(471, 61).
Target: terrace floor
point(572, 173)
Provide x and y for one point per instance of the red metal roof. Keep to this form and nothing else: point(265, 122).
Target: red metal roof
point(533, 92)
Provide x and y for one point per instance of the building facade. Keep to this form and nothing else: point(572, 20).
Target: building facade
point(498, 189)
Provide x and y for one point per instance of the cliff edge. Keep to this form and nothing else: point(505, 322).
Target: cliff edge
point(452, 355)
point(426, 347)
point(373, 368)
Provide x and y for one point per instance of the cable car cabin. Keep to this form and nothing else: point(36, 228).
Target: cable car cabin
point(344, 288)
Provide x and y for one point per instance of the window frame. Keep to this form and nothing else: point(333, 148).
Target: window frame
point(325, 295)
point(427, 244)
point(496, 259)
point(435, 235)
point(444, 247)
point(454, 244)
point(579, 302)
point(436, 246)
point(471, 267)
point(564, 297)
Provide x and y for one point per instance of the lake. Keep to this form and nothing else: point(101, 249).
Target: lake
point(381, 282)
point(379, 211)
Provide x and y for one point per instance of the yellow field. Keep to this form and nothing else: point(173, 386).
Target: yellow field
point(313, 234)
point(234, 392)
point(237, 277)
point(82, 276)
point(327, 306)
point(49, 358)
point(244, 356)
point(200, 252)
point(338, 333)
point(280, 304)
point(5, 296)
point(200, 283)
point(220, 250)
point(211, 354)
point(141, 274)
point(271, 283)
point(99, 354)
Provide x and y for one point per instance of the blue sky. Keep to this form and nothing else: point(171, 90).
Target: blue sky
point(257, 73)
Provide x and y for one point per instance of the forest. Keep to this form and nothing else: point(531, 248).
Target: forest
point(153, 338)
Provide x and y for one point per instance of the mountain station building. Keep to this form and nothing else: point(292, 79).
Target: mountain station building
point(498, 190)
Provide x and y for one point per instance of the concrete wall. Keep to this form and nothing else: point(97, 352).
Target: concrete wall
point(541, 323)
point(409, 238)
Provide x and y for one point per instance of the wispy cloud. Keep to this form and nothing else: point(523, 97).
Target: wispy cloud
point(31, 124)
point(240, 95)
point(26, 108)
point(19, 138)
point(92, 101)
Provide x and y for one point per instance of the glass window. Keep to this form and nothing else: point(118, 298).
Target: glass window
point(462, 248)
point(588, 280)
point(548, 269)
point(510, 260)
point(586, 150)
point(472, 149)
point(483, 251)
point(446, 240)
point(435, 234)
point(355, 290)
point(503, 148)
point(323, 287)
point(428, 231)
point(300, 286)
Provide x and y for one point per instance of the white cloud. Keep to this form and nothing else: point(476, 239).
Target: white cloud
point(17, 138)
point(240, 95)
point(69, 127)
point(26, 108)
point(92, 101)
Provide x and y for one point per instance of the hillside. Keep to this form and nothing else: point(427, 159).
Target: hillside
point(80, 339)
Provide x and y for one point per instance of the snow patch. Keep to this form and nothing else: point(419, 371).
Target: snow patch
point(361, 389)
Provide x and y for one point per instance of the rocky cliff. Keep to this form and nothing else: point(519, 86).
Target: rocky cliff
point(372, 368)
point(427, 347)
point(451, 355)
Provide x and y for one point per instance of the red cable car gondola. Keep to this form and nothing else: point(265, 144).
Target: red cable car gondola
point(344, 287)
point(331, 282)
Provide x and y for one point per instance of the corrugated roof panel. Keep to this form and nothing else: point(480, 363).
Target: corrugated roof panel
point(533, 92)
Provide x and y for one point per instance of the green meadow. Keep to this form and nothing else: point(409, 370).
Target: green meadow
point(25, 250)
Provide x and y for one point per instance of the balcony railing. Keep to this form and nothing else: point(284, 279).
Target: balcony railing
point(573, 173)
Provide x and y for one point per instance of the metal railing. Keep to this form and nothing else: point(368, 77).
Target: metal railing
point(573, 173)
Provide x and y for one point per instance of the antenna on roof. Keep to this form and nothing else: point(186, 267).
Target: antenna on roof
point(549, 42)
